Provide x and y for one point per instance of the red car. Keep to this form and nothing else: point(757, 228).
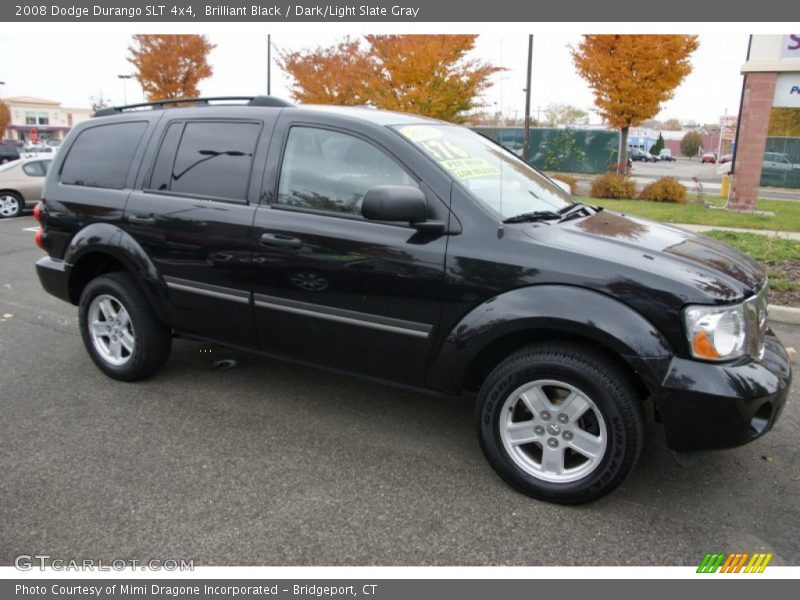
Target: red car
point(708, 157)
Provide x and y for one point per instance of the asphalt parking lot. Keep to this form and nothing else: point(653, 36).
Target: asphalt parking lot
point(275, 464)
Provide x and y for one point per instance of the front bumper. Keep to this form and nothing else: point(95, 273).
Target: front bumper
point(54, 277)
point(706, 406)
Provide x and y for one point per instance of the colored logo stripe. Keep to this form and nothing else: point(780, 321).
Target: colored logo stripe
point(734, 563)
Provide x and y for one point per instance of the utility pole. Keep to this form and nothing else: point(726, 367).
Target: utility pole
point(269, 64)
point(527, 135)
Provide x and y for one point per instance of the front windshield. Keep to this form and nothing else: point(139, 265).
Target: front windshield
point(492, 174)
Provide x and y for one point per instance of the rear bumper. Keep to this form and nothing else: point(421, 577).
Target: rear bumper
point(54, 277)
point(706, 406)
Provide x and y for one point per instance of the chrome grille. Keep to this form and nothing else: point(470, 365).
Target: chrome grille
point(755, 310)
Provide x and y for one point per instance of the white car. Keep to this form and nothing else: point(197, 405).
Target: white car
point(775, 164)
point(38, 151)
point(777, 161)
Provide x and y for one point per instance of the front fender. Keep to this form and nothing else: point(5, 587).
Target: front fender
point(552, 310)
point(104, 238)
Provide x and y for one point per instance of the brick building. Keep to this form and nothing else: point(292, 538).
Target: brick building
point(771, 78)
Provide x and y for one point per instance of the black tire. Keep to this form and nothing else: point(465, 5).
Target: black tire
point(593, 374)
point(152, 339)
point(11, 198)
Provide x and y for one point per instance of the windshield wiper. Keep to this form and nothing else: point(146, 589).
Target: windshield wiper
point(531, 217)
point(574, 206)
point(577, 209)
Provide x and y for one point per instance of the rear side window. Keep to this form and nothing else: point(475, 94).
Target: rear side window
point(37, 168)
point(101, 156)
point(213, 159)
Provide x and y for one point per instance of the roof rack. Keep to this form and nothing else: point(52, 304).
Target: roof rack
point(160, 104)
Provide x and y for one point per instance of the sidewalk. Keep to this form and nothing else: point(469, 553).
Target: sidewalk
point(789, 235)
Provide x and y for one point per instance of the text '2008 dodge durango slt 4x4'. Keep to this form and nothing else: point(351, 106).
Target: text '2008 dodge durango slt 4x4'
point(415, 252)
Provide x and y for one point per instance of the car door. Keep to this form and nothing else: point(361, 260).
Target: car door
point(329, 286)
point(192, 214)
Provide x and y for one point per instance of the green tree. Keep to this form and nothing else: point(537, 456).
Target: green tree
point(564, 114)
point(658, 146)
point(691, 143)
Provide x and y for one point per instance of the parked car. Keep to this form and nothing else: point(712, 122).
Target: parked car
point(39, 151)
point(9, 152)
point(21, 183)
point(419, 253)
point(708, 157)
point(725, 158)
point(666, 154)
point(637, 154)
point(777, 167)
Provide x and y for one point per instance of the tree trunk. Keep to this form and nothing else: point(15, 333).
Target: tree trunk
point(622, 154)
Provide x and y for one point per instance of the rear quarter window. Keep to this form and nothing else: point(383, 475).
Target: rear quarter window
point(101, 156)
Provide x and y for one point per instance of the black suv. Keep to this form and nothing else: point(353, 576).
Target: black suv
point(414, 252)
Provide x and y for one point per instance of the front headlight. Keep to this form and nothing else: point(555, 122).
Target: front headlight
point(716, 332)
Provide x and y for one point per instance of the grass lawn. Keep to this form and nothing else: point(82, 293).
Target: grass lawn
point(787, 213)
point(780, 256)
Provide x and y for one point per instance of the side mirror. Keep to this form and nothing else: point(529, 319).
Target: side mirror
point(395, 203)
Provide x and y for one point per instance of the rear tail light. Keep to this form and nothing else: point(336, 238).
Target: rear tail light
point(38, 236)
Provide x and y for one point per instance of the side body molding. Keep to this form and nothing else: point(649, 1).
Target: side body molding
point(558, 310)
point(105, 238)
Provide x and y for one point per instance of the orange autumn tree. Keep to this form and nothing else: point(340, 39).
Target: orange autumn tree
point(632, 75)
point(335, 75)
point(170, 66)
point(5, 118)
point(429, 75)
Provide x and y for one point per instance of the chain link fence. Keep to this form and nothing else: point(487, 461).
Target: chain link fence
point(781, 163)
point(564, 150)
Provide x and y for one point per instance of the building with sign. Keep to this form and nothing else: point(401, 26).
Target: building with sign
point(771, 80)
point(35, 120)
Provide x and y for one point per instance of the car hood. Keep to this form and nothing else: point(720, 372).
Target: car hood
point(690, 265)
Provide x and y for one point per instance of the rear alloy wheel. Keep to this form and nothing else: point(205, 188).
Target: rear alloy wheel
point(560, 422)
point(120, 330)
point(11, 205)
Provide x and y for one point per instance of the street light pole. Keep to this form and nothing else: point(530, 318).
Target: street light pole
point(269, 64)
point(124, 90)
point(527, 134)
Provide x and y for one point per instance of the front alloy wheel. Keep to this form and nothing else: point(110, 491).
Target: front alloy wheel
point(553, 431)
point(560, 422)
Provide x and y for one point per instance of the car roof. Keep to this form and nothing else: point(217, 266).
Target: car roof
point(364, 114)
point(372, 115)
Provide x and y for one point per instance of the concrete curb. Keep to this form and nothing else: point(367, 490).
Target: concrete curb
point(784, 314)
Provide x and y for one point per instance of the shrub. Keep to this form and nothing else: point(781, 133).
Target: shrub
point(690, 144)
point(666, 189)
point(571, 181)
point(613, 186)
